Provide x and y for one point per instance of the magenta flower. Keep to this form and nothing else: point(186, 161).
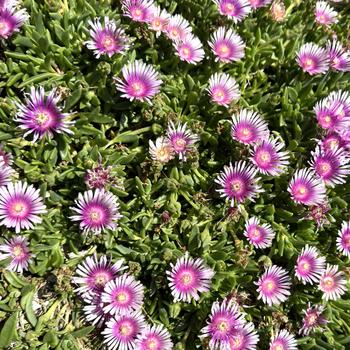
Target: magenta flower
point(223, 89)
point(313, 319)
point(159, 20)
point(6, 173)
point(332, 283)
point(188, 277)
point(343, 239)
point(141, 82)
point(248, 127)
point(93, 311)
point(274, 285)
point(259, 3)
point(341, 102)
point(243, 338)
point(283, 340)
point(9, 4)
point(11, 20)
point(107, 39)
point(5, 157)
point(16, 249)
point(156, 337)
point(318, 213)
point(331, 142)
point(20, 206)
point(239, 182)
point(259, 235)
point(41, 116)
point(306, 189)
point(227, 45)
point(93, 274)
point(313, 59)
point(178, 28)
point(190, 49)
point(325, 13)
point(181, 139)
point(161, 151)
point(138, 10)
point(236, 10)
point(310, 265)
point(339, 58)
point(98, 177)
point(96, 210)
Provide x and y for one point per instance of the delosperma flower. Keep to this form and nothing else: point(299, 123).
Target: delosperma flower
point(283, 340)
point(332, 283)
point(159, 20)
point(98, 177)
point(313, 59)
point(156, 337)
point(189, 277)
point(107, 38)
point(243, 338)
point(306, 189)
point(121, 331)
point(313, 319)
point(248, 127)
point(343, 239)
point(259, 235)
point(278, 11)
point(269, 158)
point(331, 142)
point(161, 150)
point(178, 28)
point(339, 58)
point(93, 311)
point(239, 182)
point(226, 45)
point(6, 172)
point(41, 116)
point(340, 102)
point(16, 249)
point(5, 157)
point(96, 211)
point(138, 10)
point(20, 206)
point(223, 89)
point(274, 285)
point(259, 3)
point(181, 139)
point(318, 213)
point(11, 19)
point(310, 265)
point(140, 82)
point(190, 49)
point(325, 14)
point(236, 10)
point(8, 4)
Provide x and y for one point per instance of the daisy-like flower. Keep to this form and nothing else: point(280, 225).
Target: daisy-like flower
point(141, 81)
point(107, 38)
point(138, 10)
point(189, 277)
point(121, 331)
point(236, 10)
point(278, 11)
point(332, 283)
point(248, 127)
point(181, 139)
point(313, 59)
point(339, 58)
point(331, 142)
point(269, 158)
point(5, 157)
point(325, 14)
point(20, 206)
point(239, 182)
point(11, 19)
point(343, 239)
point(223, 89)
point(98, 177)
point(93, 274)
point(6, 172)
point(178, 28)
point(331, 166)
point(96, 210)
point(159, 20)
point(156, 337)
point(340, 102)
point(17, 250)
point(283, 340)
point(227, 45)
point(41, 116)
point(122, 295)
point(259, 235)
point(310, 265)
point(306, 189)
point(274, 285)
point(224, 321)
point(190, 49)
point(161, 150)
point(313, 319)
point(259, 3)
point(244, 338)
point(93, 311)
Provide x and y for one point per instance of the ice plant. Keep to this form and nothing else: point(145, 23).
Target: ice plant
point(340, 102)
point(278, 11)
point(236, 10)
point(98, 177)
point(189, 277)
point(223, 89)
point(161, 150)
point(93, 311)
point(227, 45)
point(332, 283)
point(239, 182)
point(20, 206)
point(107, 38)
point(259, 235)
point(243, 338)
point(178, 28)
point(6, 172)
point(41, 116)
point(331, 142)
point(11, 19)
point(259, 3)
point(306, 189)
point(343, 239)
point(159, 20)
point(310, 265)
point(140, 82)
point(248, 127)
point(16, 249)
point(313, 59)
point(283, 340)
point(339, 58)
point(318, 213)
point(138, 10)
point(181, 139)
point(274, 285)
point(313, 319)
point(154, 337)
point(190, 49)
point(325, 14)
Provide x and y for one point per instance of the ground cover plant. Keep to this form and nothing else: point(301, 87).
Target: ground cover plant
point(174, 174)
